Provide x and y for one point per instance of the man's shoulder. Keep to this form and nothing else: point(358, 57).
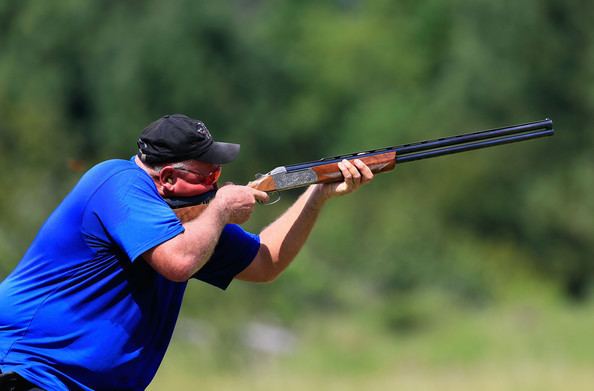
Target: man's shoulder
point(114, 165)
point(115, 177)
point(115, 169)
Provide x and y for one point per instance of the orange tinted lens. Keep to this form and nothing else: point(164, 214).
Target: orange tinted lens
point(213, 176)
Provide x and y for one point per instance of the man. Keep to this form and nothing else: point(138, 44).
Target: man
point(94, 301)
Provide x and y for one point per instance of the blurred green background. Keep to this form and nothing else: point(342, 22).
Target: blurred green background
point(461, 272)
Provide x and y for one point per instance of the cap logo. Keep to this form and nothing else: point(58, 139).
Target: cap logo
point(201, 129)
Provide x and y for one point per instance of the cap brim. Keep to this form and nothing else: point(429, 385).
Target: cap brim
point(220, 153)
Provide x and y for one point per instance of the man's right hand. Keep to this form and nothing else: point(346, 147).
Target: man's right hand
point(236, 203)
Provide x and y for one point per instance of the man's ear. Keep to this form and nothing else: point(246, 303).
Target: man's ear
point(167, 178)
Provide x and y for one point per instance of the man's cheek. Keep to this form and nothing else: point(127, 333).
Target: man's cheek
point(184, 189)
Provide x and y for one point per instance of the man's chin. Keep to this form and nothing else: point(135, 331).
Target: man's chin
point(181, 201)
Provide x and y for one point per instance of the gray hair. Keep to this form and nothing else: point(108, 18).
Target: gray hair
point(185, 164)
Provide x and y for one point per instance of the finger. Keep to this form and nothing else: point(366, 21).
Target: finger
point(355, 174)
point(260, 196)
point(226, 184)
point(365, 171)
point(348, 177)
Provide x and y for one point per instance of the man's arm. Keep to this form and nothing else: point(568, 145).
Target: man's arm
point(179, 258)
point(282, 240)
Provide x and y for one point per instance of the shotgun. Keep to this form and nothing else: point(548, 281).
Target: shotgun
point(378, 160)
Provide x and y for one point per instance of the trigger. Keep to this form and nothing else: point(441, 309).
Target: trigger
point(273, 198)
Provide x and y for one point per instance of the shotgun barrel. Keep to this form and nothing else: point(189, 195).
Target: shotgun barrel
point(447, 145)
point(471, 141)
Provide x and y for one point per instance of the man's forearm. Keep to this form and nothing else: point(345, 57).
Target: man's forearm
point(202, 236)
point(202, 233)
point(285, 237)
point(282, 240)
point(180, 257)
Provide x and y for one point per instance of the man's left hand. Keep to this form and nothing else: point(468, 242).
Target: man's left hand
point(355, 173)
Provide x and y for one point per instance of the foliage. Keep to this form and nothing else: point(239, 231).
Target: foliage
point(295, 81)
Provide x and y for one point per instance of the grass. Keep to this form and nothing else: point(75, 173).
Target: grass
point(519, 346)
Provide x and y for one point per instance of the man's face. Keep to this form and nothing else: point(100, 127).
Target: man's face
point(193, 179)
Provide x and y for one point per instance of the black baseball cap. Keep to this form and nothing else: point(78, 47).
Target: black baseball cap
point(177, 137)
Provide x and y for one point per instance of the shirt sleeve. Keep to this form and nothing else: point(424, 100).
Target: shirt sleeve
point(235, 250)
point(128, 210)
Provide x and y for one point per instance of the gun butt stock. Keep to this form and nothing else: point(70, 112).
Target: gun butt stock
point(188, 213)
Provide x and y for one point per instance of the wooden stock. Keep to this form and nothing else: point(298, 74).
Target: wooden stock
point(188, 213)
point(264, 183)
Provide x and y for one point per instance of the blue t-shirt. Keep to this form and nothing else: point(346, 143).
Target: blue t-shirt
point(82, 310)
